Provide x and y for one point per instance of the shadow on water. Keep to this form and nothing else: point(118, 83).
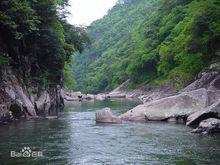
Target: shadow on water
point(75, 138)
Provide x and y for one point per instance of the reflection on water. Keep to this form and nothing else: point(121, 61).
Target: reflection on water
point(75, 138)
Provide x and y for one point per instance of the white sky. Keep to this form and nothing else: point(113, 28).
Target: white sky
point(84, 12)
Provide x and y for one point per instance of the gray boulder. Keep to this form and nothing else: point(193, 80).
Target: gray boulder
point(203, 82)
point(115, 96)
point(68, 98)
point(100, 97)
point(212, 111)
point(214, 96)
point(72, 96)
point(178, 106)
point(105, 116)
point(88, 97)
point(215, 84)
point(208, 126)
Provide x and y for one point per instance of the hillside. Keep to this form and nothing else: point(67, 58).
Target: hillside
point(149, 42)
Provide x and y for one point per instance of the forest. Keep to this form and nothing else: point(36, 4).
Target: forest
point(36, 41)
point(148, 42)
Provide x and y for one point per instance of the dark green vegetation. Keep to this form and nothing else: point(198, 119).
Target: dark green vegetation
point(36, 41)
point(149, 42)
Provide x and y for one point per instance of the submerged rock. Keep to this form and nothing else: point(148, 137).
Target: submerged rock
point(105, 116)
point(51, 117)
point(178, 106)
point(208, 126)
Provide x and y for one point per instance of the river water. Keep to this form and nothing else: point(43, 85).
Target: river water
point(75, 138)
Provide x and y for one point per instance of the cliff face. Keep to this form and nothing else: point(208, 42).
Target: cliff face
point(35, 43)
point(19, 99)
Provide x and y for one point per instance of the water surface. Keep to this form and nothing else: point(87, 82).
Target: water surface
point(75, 138)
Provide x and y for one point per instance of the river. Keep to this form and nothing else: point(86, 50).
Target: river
point(75, 138)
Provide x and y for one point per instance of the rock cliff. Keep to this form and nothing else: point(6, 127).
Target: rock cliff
point(26, 100)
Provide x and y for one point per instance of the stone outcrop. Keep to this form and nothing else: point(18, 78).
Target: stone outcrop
point(17, 93)
point(144, 94)
point(204, 81)
point(178, 106)
point(43, 103)
point(105, 116)
point(5, 115)
point(208, 126)
point(18, 99)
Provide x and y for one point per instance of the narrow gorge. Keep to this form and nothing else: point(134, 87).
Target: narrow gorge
point(113, 82)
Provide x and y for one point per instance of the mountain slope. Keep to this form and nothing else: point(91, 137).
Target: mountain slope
point(149, 41)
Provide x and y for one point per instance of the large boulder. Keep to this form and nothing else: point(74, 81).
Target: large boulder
point(208, 126)
point(178, 106)
point(68, 98)
point(152, 93)
point(215, 84)
point(115, 96)
point(88, 97)
point(105, 116)
point(212, 111)
point(72, 96)
point(213, 95)
point(100, 97)
point(203, 81)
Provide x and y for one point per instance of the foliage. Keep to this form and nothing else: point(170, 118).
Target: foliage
point(70, 82)
point(37, 39)
point(149, 41)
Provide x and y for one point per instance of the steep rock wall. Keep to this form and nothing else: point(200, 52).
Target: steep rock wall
point(19, 100)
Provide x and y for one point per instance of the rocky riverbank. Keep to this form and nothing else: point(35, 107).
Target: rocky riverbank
point(144, 94)
point(195, 103)
point(21, 100)
point(72, 96)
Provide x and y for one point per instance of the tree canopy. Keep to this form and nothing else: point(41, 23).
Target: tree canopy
point(36, 40)
point(149, 41)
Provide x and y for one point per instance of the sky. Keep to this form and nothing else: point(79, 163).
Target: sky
point(84, 12)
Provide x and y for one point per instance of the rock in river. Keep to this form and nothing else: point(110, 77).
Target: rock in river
point(212, 111)
point(208, 126)
point(105, 116)
point(178, 106)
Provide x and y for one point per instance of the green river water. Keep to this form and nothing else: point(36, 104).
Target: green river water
point(75, 138)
